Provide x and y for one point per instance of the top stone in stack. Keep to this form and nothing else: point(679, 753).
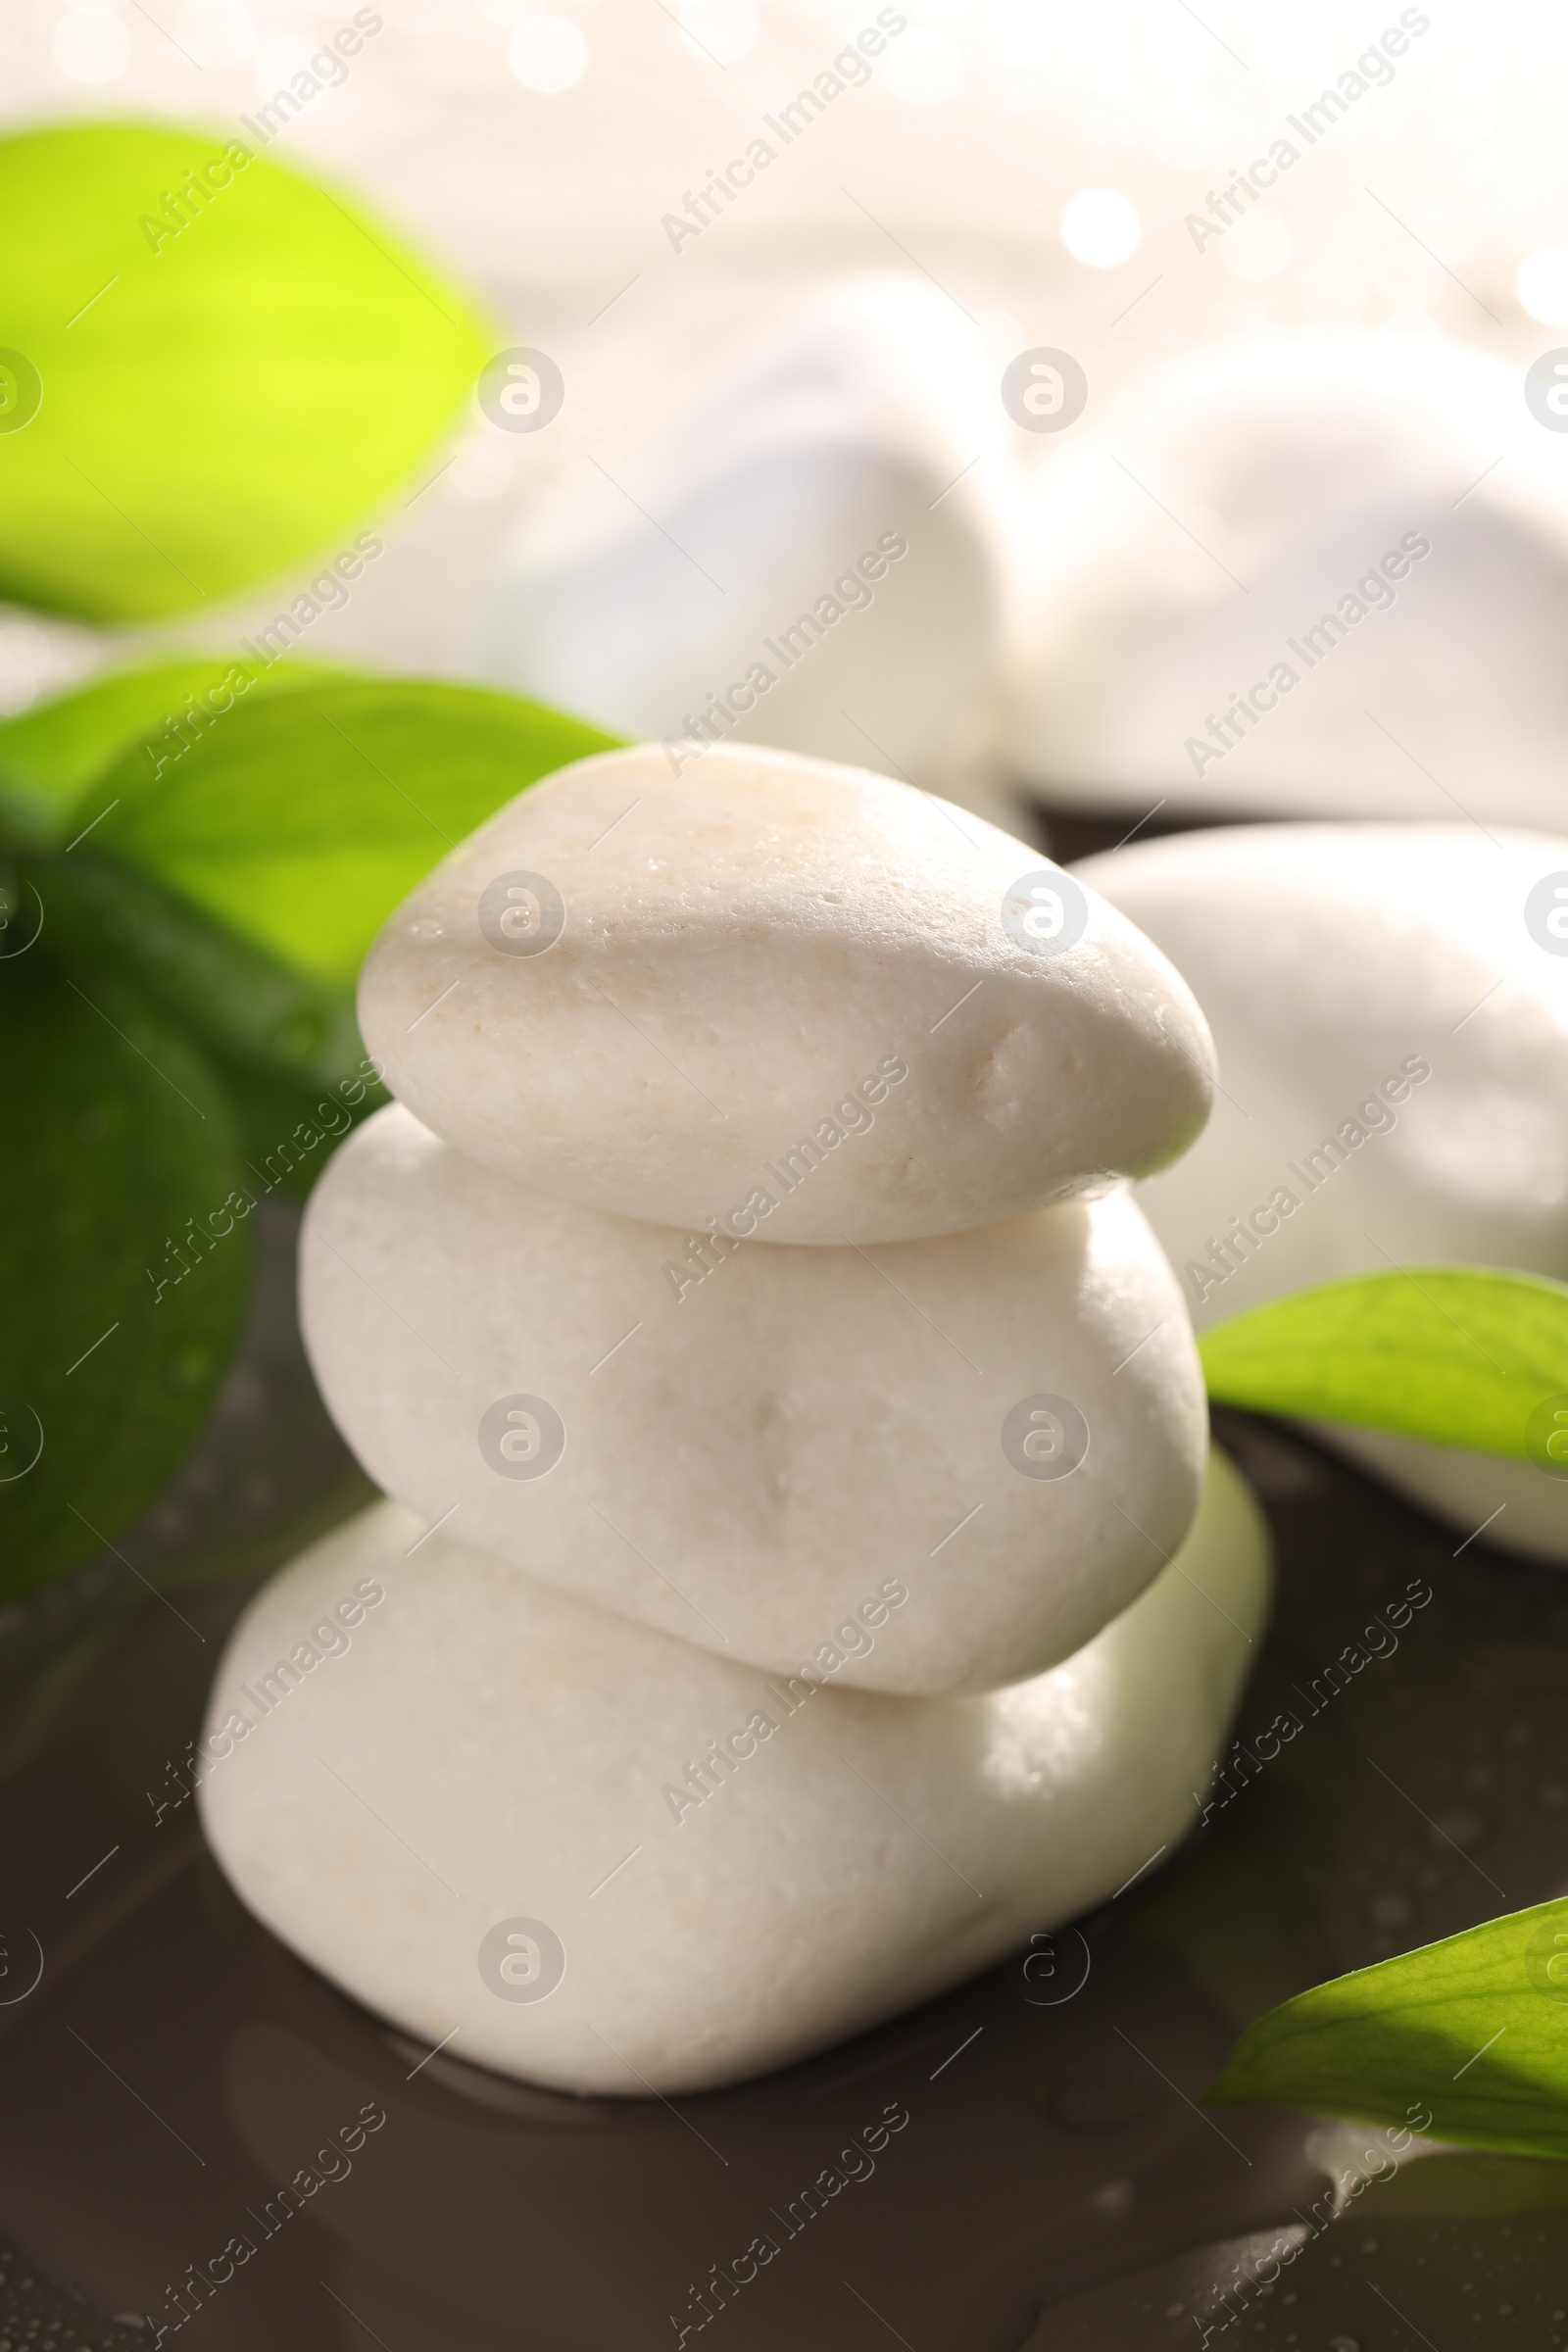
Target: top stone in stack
point(678, 997)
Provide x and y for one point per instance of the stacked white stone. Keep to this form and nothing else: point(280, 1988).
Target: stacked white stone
point(792, 1594)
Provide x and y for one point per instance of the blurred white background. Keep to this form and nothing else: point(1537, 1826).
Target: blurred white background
point(1035, 158)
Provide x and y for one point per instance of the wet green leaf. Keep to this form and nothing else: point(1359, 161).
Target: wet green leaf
point(1472, 2032)
point(242, 1002)
point(1460, 1355)
point(124, 1265)
point(302, 821)
point(50, 753)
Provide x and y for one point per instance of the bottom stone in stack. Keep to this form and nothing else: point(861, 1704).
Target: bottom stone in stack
point(606, 1860)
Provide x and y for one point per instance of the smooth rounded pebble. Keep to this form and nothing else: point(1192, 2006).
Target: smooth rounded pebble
point(614, 1863)
point(1390, 1008)
point(747, 1456)
point(800, 1001)
point(825, 567)
point(1362, 614)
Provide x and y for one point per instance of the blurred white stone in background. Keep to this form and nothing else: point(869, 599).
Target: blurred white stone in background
point(1335, 964)
point(861, 421)
point(1307, 573)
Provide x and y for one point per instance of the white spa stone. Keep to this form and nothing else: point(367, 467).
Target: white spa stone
point(697, 976)
point(776, 560)
point(1242, 492)
point(748, 1462)
point(471, 1758)
point(1389, 982)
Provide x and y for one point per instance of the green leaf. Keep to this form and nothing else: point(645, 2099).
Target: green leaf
point(120, 1141)
point(304, 820)
point(1472, 2030)
point(201, 388)
point(50, 753)
point(1459, 1355)
point(100, 915)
